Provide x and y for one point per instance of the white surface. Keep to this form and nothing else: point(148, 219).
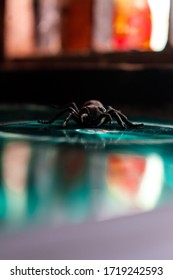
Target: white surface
point(141, 236)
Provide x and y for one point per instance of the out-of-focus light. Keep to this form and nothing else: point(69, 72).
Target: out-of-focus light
point(15, 160)
point(135, 182)
point(19, 28)
point(132, 25)
point(160, 23)
point(152, 183)
point(15, 165)
point(49, 25)
point(102, 25)
point(125, 173)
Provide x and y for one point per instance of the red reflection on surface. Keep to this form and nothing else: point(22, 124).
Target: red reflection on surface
point(132, 25)
point(125, 172)
point(72, 165)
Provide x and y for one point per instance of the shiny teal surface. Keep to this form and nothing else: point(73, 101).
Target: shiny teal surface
point(50, 174)
point(151, 133)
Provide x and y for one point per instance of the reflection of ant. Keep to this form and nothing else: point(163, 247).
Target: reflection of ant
point(95, 140)
point(92, 114)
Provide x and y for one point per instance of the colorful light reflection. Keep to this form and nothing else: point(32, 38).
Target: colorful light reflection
point(131, 180)
point(56, 26)
point(132, 25)
point(15, 158)
point(67, 184)
point(141, 24)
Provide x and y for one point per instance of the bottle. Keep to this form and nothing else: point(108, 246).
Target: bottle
point(77, 26)
point(132, 25)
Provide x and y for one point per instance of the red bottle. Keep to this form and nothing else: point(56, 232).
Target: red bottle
point(132, 25)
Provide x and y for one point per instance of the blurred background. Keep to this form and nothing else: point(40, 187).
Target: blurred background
point(56, 185)
point(56, 51)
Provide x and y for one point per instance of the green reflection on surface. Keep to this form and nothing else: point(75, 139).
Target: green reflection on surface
point(76, 174)
point(150, 133)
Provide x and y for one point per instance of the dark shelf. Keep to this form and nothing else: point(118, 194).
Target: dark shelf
point(133, 60)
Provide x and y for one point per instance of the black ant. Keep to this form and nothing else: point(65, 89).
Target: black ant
point(92, 114)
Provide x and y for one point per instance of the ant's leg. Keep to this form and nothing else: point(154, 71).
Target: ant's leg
point(53, 118)
point(119, 120)
point(67, 106)
point(72, 115)
point(105, 118)
point(122, 118)
point(57, 115)
point(108, 118)
point(127, 122)
point(73, 104)
point(114, 114)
